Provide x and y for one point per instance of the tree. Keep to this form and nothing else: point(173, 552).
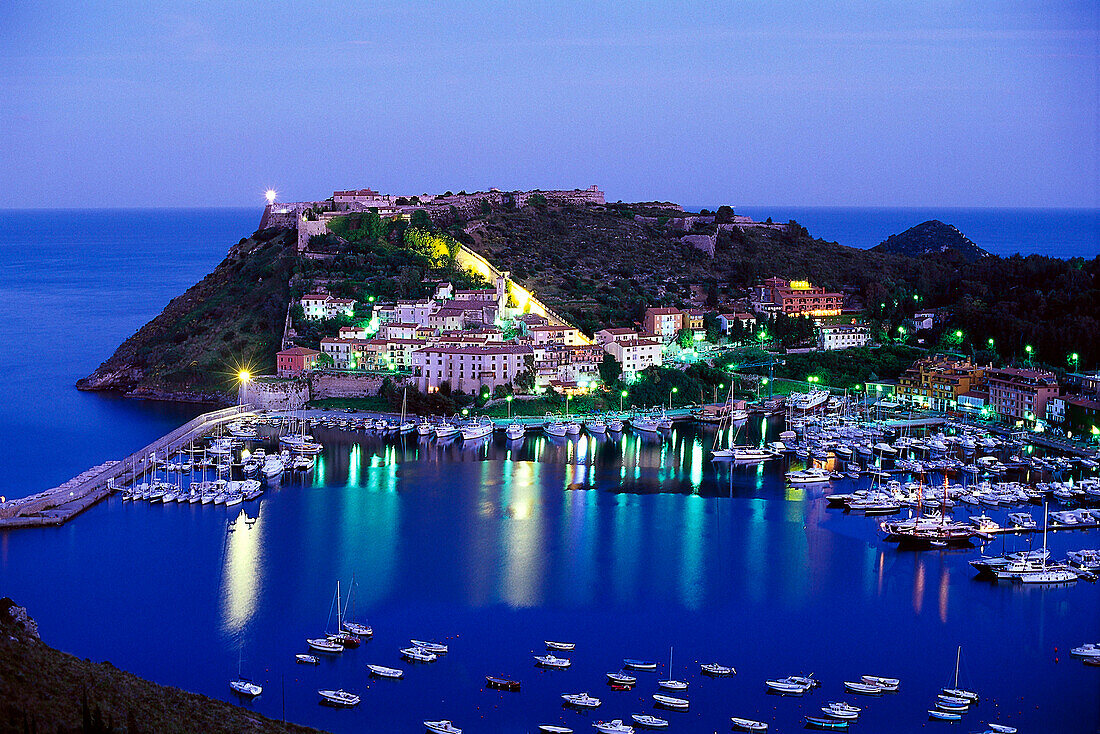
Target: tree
point(724, 214)
point(525, 380)
point(486, 209)
point(610, 370)
point(685, 338)
point(537, 200)
point(420, 219)
point(324, 360)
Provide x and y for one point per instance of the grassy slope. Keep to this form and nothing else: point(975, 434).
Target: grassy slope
point(600, 267)
point(232, 317)
point(42, 688)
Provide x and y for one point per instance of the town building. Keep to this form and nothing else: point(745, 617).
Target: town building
point(294, 361)
point(1082, 416)
point(1017, 394)
point(323, 306)
point(665, 322)
point(937, 382)
point(604, 337)
point(636, 355)
point(727, 320)
point(469, 368)
point(973, 401)
point(843, 336)
point(797, 297)
point(353, 332)
point(350, 354)
point(550, 334)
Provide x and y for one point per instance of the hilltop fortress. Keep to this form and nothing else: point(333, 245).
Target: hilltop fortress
point(310, 217)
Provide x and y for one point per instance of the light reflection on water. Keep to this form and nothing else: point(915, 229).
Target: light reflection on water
point(626, 546)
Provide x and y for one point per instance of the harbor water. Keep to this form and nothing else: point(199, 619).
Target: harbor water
point(626, 547)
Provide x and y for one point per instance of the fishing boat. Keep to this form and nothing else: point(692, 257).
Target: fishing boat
point(383, 672)
point(816, 722)
point(338, 698)
point(514, 431)
point(551, 661)
point(649, 721)
point(596, 426)
point(580, 700)
point(785, 687)
point(438, 648)
point(245, 687)
point(716, 670)
point(841, 710)
point(632, 664)
point(555, 645)
point(613, 727)
point(442, 727)
point(556, 428)
point(479, 429)
point(644, 424)
point(621, 678)
point(1088, 650)
point(418, 655)
point(670, 702)
point(672, 685)
point(305, 659)
point(739, 724)
point(501, 683)
point(446, 430)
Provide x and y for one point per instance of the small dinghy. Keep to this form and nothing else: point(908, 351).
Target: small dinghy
point(1002, 728)
point(307, 659)
point(502, 683)
point(816, 722)
point(442, 727)
point(890, 685)
point(841, 710)
point(649, 722)
point(671, 702)
point(554, 729)
point(621, 678)
point(937, 715)
point(863, 689)
point(338, 698)
point(555, 645)
point(739, 724)
point(383, 672)
point(632, 664)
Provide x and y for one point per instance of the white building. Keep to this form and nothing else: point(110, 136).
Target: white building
point(469, 368)
point(843, 336)
point(322, 306)
point(636, 354)
point(622, 334)
point(564, 335)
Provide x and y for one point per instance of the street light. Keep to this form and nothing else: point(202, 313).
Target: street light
point(958, 334)
point(670, 392)
point(989, 341)
point(508, 399)
point(1028, 350)
point(1075, 358)
point(622, 395)
point(244, 376)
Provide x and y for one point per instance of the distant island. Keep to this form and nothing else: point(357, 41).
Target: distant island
point(561, 291)
point(932, 238)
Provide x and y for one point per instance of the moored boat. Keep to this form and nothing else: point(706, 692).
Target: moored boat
point(338, 697)
point(384, 672)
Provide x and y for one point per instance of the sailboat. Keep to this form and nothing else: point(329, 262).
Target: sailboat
point(406, 426)
point(672, 685)
point(243, 686)
point(341, 636)
point(955, 691)
point(326, 643)
point(1055, 575)
point(355, 628)
point(727, 453)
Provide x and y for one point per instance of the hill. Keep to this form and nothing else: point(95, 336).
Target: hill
point(231, 318)
point(46, 690)
point(932, 238)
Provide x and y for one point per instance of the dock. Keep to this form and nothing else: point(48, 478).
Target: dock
point(62, 503)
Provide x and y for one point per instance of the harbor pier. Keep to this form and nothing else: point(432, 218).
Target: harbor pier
point(57, 505)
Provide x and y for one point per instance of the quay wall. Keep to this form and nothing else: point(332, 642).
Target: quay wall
point(331, 385)
point(276, 394)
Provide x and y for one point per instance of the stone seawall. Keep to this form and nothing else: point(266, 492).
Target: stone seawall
point(266, 393)
point(330, 385)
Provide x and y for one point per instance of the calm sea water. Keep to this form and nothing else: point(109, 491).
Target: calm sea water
point(626, 549)
point(1054, 232)
point(73, 286)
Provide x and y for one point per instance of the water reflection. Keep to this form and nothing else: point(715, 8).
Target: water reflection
point(240, 579)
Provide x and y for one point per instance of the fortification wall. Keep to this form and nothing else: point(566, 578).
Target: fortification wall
point(269, 393)
point(333, 385)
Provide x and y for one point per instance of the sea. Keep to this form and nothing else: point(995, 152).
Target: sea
point(631, 548)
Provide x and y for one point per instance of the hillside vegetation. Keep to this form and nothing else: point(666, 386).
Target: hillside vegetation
point(46, 690)
point(231, 318)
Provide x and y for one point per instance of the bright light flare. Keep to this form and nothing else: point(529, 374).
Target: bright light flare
point(270, 194)
point(244, 375)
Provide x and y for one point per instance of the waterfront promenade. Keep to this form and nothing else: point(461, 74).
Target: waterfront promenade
point(57, 505)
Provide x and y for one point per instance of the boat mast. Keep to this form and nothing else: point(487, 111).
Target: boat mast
point(958, 656)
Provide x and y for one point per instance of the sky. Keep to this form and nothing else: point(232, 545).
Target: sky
point(929, 103)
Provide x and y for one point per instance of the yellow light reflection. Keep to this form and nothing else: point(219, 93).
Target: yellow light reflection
point(240, 573)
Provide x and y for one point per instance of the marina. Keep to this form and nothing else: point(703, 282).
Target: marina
point(552, 502)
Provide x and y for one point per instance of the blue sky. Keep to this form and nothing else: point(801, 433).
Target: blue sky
point(863, 103)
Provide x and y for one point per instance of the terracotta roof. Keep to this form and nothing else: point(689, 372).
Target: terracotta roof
point(298, 352)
